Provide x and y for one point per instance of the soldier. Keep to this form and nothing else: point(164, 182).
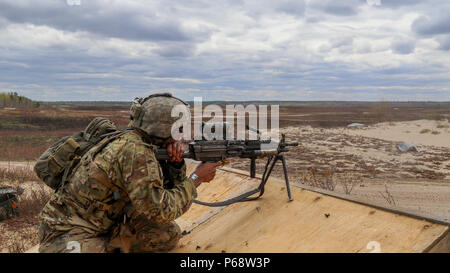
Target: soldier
point(122, 197)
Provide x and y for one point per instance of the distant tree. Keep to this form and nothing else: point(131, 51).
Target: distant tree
point(13, 99)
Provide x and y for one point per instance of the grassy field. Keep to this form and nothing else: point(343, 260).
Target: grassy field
point(26, 132)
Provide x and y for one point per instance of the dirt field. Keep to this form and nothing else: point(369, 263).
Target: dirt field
point(368, 160)
point(361, 161)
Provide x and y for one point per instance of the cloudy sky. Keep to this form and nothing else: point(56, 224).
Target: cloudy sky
point(226, 50)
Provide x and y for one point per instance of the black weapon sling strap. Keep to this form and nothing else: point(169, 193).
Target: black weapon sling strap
point(246, 196)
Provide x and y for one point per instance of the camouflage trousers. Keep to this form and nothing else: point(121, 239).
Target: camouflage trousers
point(137, 236)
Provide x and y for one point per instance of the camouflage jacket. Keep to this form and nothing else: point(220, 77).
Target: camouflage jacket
point(124, 178)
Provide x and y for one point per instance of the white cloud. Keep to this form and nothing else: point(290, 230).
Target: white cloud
point(224, 49)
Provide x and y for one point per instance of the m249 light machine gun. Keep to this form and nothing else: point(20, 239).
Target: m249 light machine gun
point(219, 150)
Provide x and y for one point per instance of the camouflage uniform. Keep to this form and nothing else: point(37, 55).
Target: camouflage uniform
point(120, 197)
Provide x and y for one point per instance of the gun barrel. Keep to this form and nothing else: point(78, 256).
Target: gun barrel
point(162, 154)
point(218, 150)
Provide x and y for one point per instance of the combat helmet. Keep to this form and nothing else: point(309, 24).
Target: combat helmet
point(152, 114)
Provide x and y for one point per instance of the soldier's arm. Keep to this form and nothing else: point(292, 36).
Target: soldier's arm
point(143, 182)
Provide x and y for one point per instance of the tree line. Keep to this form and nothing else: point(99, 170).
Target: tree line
point(12, 99)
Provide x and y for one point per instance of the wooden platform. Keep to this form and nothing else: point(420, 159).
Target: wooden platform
point(313, 222)
point(272, 224)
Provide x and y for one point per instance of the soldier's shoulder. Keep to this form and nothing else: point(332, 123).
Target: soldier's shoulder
point(131, 139)
point(124, 148)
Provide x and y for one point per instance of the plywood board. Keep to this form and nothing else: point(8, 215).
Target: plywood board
point(224, 186)
point(313, 222)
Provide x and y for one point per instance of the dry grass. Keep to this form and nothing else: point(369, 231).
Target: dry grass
point(18, 174)
point(26, 133)
point(388, 196)
point(328, 179)
point(324, 179)
point(32, 204)
point(434, 116)
point(21, 232)
point(348, 181)
point(369, 170)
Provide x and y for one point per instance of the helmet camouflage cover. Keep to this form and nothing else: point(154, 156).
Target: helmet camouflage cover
point(153, 114)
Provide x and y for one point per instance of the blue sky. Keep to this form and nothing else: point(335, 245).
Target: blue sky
point(226, 50)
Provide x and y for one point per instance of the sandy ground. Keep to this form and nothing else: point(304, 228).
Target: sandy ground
point(411, 131)
point(372, 150)
point(433, 140)
point(368, 158)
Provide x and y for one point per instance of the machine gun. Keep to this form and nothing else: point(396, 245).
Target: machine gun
point(219, 150)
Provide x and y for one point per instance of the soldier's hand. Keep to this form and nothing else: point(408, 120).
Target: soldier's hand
point(206, 171)
point(175, 151)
